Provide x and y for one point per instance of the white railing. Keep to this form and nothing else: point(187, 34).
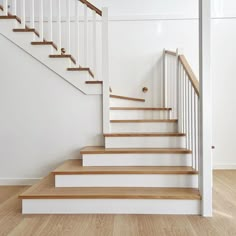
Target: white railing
point(181, 93)
point(72, 26)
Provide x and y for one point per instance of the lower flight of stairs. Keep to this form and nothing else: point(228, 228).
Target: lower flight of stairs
point(75, 189)
point(135, 175)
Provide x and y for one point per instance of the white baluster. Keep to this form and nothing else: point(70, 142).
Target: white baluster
point(5, 7)
point(177, 88)
point(77, 38)
point(13, 7)
point(68, 26)
point(59, 25)
point(185, 106)
point(50, 21)
point(188, 115)
point(105, 71)
point(41, 20)
point(32, 15)
point(195, 128)
point(191, 122)
point(85, 35)
point(23, 14)
point(94, 44)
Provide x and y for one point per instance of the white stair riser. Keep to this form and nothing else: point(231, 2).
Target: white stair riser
point(127, 180)
point(116, 102)
point(137, 114)
point(145, 142)
point(144, 127)
point(137, 159)
point(110, 206)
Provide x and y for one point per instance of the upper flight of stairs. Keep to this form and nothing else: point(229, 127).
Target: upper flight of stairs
point(28, 39)
point(124, 180)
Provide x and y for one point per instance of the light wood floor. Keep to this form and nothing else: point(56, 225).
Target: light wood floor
point(223, 222)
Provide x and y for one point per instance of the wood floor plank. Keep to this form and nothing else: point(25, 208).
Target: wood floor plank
point(12, 222)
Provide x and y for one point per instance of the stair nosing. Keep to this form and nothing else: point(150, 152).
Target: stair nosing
point(74, 167)
point(127, 98)
point(146, 121)
point(139, 109)
point(113, 135)
point(101, 150)
point(45, 189)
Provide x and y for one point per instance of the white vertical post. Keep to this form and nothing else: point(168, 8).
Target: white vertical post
point(85, 35)
point(205, 106)
point(59, 25)
point(164, 80)
point(5, 7)
point(32, 14)
point(41, 20)
point(180, 110)
point(68, 26)
point(177, 87)
point(23, 14)
point(77, 50)
point(105, 72)
point(13, 7)
point(94, 43)
point(50, 21)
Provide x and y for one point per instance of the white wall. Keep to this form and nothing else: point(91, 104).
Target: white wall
point(43, 119)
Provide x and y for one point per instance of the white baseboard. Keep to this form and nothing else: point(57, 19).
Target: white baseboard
point(224, 166)
point(18, 181)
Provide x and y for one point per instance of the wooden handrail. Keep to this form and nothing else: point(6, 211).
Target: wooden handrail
point(91, 6)
point(171, 53)
point(192, 77)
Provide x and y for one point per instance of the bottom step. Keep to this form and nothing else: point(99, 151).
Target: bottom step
point(44, 198)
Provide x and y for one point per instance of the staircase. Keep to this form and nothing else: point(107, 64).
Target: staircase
point(150, 161)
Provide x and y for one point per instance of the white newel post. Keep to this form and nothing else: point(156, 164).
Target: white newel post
point(165, 91)
point(105, 71)
point(205, 163)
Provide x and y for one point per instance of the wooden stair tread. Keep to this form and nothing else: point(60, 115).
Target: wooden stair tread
point(63, 56)
point(144, 135)
point(103, 150)
point(145, 121)
point(140, 109)
point(93, 82)
point(26, 30)
point(45, 189)
point(45, 43)
point(7, 17)
point(71, 167)
point(127, 98)
point(81, 69)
